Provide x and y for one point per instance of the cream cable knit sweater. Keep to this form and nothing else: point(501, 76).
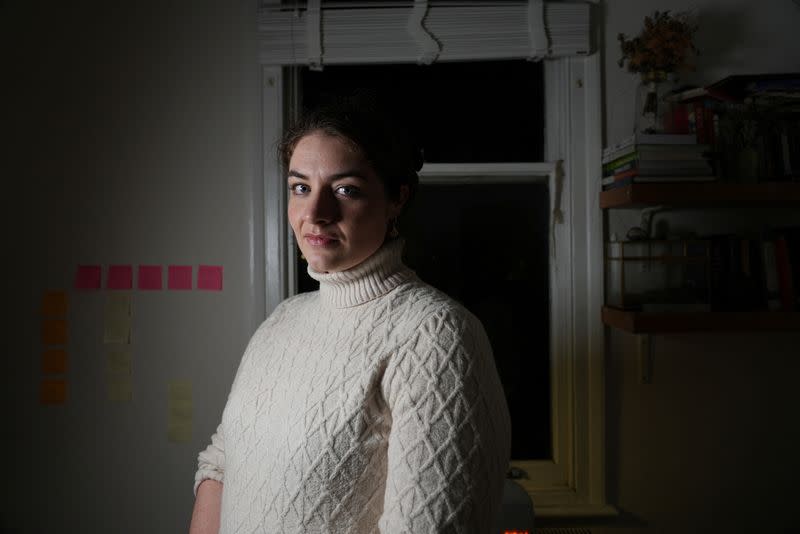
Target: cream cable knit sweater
point(371, 405)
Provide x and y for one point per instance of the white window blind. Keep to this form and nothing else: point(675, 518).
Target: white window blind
point(420, 31)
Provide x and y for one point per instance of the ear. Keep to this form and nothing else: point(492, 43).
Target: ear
point(396, 206)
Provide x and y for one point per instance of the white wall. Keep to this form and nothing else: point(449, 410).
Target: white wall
point(132, 138)
point(710, 445)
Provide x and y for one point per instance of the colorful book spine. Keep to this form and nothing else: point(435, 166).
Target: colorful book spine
point(771, 287)
point(619, 162)
point(628, 173)
point(784, 272)
point(700, 128)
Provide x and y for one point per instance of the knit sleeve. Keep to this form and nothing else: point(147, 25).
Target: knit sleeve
point(211, 461)
point(449, 442)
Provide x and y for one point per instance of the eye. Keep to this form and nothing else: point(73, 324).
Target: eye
point(348, 191)
point(298, 189)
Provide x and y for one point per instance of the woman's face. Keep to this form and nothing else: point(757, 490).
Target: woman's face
point(338, 207)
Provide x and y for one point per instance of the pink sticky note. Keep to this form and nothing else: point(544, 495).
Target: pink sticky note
point(209, 277)
point(179, 277)
point(120, 277)
point(150, 277)
point(87, 277)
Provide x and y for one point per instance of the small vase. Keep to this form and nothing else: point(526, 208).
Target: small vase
point(650, 107)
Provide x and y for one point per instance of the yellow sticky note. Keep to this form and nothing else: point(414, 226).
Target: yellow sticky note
point(180, 389)
point(180, 409)
point(54, 362)
point(179, 428)
point(118, 304)
point(118, 360)
point(119, 388)
point(180, 432)
point(53, 392)
point(54, 331)
point(54, 304)
point(117, 330)
point(118, 319)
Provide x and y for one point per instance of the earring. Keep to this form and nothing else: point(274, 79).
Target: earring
point(394, 232)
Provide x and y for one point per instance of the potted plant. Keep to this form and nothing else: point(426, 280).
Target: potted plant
point(661, 50)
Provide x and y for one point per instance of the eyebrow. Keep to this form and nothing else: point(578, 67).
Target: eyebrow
point(346, 174)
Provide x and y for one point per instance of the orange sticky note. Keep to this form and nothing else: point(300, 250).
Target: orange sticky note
point(53, 392)
point(54, 331)
point(54, 362)
point(54, 304)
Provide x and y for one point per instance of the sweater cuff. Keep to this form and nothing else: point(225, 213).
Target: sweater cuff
point(207, 474)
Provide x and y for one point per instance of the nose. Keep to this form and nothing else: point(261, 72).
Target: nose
point(322, 207)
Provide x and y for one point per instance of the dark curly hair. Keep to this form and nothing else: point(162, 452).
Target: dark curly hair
point(362, 122)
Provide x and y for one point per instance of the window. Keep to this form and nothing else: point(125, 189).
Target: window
point(464, 112)
point(568, 477)
point(488, 247)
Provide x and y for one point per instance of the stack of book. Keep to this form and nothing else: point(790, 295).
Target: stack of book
point(757, 112)
point(756, 272)
point(656, 158)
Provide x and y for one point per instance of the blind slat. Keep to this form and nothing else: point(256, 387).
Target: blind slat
point(372, 35)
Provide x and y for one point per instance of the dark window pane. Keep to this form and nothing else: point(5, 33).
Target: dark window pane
point(487, 247)
point(490, 111)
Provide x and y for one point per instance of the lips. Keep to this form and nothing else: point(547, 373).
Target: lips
point(320, 240)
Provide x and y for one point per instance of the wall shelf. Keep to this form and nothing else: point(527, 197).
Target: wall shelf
point(665, 322)
point(703, 194)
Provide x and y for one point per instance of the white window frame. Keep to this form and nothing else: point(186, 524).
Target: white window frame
point(572, 482)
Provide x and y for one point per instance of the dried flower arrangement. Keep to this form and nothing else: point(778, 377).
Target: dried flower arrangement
point(662, 47)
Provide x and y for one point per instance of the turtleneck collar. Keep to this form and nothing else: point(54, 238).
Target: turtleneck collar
point(370, 279)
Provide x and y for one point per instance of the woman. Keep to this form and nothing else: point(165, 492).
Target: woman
point(372, 404)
